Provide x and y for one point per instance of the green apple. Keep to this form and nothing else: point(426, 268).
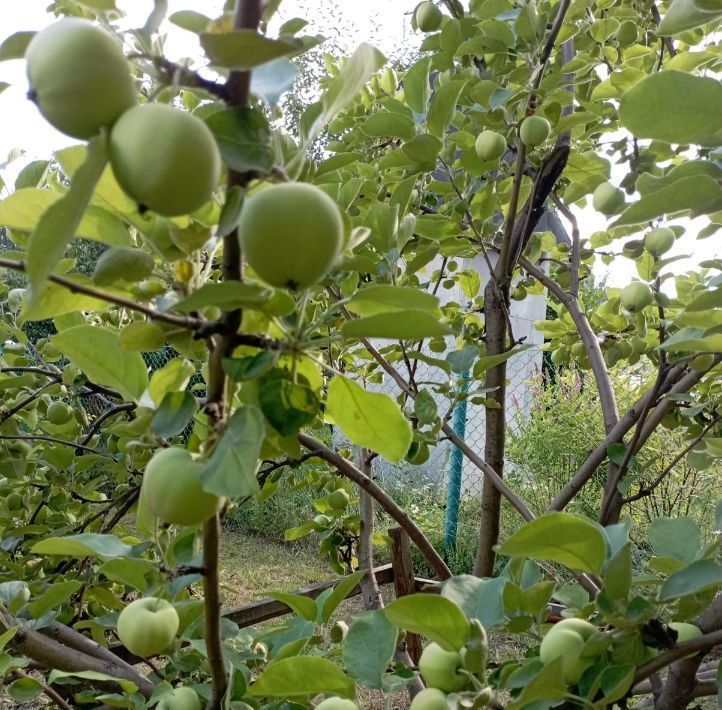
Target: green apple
point(291, 234)
point(607, 199)
point(165, 159)
point(122, 264)
point(534, 130)
point(430, 699)
point(180, 699)
point(172, 489)
point(702, 363)
point(14, 501)
point(490, 145)
point(79, 77)
point(337, 704)
point(59, 413)
point(339, 499)
point(428, 17)
point(580, 626)
point(566, 644)
point(636, 296)
point(659, 241)
point(147, 626)
point(685, 631)
point(440, 668)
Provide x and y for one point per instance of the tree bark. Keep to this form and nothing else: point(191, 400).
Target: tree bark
point(495, 303)
point(370, 591)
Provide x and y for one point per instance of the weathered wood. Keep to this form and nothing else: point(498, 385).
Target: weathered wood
point(404, 580)
point(266, 609)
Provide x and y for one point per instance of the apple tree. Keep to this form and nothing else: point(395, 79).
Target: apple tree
point(285, 286)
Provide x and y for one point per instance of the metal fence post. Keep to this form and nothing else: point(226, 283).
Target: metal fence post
point(456, 467)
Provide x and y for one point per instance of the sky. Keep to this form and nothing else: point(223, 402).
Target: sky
point(384, 22)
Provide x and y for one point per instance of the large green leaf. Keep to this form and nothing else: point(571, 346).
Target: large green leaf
point(14, 46)
point(97, 352)
point(389, 123)
point(59, 223)
point(303, 606)
point(172, 377)
point(243, 49)
point(695, 577)
point(228, 295)
point(437, 618)
point(55, 300)
point(697, 194)
point(443, 106)
point(340, 592)
point(302, 676)
point(23, 209)
point(231, 469)
point(568, 539)
point(478, 598)
point(685, 15)
point(675, 537)
point(104, 547)
point(54, 596)
point(384, 299)
point(650, 109)
point(244, 139)
point(368, 419)
point(416, 85)
point(414, 325)
point(369, 647)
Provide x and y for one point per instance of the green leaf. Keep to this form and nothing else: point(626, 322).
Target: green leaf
point(675, 537)
point(55, 300)
point(615, 682)
point(53, 597)
point(346, 86)
point(414, 325)
point(243, 49)
point(443, 106)
point(568, 539)
point(389, 123)
point(228, 296)
point(273, 79)
point(24, 689)
point(302, 676)
point(690, 340)
point(685, 15)
point(368, 419)
point(694, 194)
point(244, 139)
point(385, 299)
point(174, 414)
point(647, 111)
point(303, 606)
point(618, 573)
point(97, 352)
point(548, 684)
point(437, 618)
point(248, 368)
point(369, 648)
point(14, 46)
point(129, 572)
point(287, 405)
point(231, 469)
point(81, 546)
point(478, 598)
point(416, 85)
point(141, 336)
point(425, 407)
point(695, 577)
point(59, 223)
point(423, 149)
point(127, 685)
point(172, 377)
point(340, 592)
point(190, 20)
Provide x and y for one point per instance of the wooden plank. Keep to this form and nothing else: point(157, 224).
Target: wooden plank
point(266, 609)
point(404, 580)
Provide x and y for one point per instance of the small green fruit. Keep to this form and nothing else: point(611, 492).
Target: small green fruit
point(146, 627)
point(702, 363)
point(337, 704)
point(636, 296)
point(580, 626)
point(567, 644)
point(607, 199)
point(430, 699)
point(15, 298)
point(79, 77)
point(172, 489)
point(165, 159)
point(14, 501)
point(534, 130)
point(180, 699)
point(338, 631)
point(490, 145)
point(428, 17)
point(440, 668)
point(59, 413)
point(627, 33)
point(291, 234)
point(122, 264)
point(685, 631)
point(339, 499)
point(659, 241)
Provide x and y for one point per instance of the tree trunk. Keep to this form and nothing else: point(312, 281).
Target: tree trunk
point(370, 591)
point(495, 430)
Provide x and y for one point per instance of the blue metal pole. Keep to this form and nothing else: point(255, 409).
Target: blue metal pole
point(456, 467)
